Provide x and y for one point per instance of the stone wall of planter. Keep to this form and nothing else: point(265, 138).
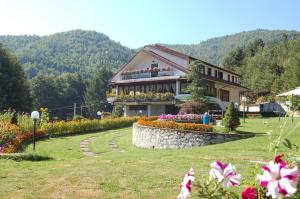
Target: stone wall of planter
point(150, 137)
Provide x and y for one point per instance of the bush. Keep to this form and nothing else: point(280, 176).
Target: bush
point(174, 125)
point(231, 120)
point(117, 111)
point(82, 126)
point(193, 107)
point(12, 136)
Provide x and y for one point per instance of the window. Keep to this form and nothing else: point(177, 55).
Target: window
point(183, 88)
point(220, 75)
point(216, 73)
point(224, 95)
point(209, 72)
point(232, 78)
point(154, 71)
point(228, 77)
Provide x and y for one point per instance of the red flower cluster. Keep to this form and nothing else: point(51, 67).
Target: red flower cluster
point(250, 193)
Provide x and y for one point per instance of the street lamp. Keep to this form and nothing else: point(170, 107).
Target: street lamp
point(35, 115)
point(244, 100)
point(141, 112)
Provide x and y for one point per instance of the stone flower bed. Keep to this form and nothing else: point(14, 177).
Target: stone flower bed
point(166, 138)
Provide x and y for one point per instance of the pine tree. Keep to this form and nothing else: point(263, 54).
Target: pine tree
point(231, 120)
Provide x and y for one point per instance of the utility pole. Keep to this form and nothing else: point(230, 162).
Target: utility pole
point(74, 109)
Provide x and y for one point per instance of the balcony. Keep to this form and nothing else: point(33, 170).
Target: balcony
point(146, 97)
point(147, 73)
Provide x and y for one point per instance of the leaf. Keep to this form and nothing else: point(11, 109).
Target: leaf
point(287, 143)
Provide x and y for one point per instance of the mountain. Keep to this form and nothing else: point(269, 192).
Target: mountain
point(72, 51)
point(81, 51)
point(214, 50)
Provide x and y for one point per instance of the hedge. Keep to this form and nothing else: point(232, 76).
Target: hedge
point(11, 136)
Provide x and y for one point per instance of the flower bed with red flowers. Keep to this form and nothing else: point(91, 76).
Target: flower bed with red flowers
point(144, 121)
point(11, 137)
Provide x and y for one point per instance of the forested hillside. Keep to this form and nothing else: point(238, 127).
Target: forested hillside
point(267, 70)
point(72, 51)
point(214, 50)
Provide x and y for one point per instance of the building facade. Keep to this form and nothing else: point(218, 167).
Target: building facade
point(154, 81)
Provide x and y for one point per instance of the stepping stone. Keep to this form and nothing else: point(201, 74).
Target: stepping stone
point(84, 146)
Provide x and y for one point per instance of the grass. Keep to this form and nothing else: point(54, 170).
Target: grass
point(124, 171)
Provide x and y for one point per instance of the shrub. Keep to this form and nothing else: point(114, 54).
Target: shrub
point(174, 125)
point(8, 131)
point(193, 107)
point(231, 120)
point(14, 119)
point(82, 126)
point(25, 122)
point(117, 111)
point(44, 116)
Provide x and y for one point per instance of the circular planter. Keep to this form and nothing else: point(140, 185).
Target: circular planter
point(161, 138)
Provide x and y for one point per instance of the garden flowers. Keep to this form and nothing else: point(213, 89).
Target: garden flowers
point(186, 185)
point(225, 173)
point(250, 193)
point(279, 179)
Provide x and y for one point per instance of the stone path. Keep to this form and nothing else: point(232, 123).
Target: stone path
point(84, 146)
point(114, 146)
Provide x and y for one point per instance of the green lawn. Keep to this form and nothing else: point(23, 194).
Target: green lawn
point(129, 172)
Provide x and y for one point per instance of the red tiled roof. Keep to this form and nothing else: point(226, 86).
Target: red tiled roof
point(190, 58)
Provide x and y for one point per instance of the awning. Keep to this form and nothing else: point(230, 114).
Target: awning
point(295, 92)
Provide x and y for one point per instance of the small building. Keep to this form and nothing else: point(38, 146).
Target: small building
point(154, 81)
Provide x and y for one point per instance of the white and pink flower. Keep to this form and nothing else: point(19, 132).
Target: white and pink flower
point(279, 179)
point(186, 185)
point(225, 173)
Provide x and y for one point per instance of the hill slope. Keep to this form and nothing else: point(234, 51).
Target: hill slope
point(80, 51)
point(214, 50)
point(72, 51)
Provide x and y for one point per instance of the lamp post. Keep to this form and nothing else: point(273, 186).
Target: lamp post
point(244, 100)
point(35, 115)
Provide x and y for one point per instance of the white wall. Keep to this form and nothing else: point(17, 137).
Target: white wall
point(173, 58)
point(143, 61)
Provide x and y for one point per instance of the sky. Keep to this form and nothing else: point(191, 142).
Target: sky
point(135, 23)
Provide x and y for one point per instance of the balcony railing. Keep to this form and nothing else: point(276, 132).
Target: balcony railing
point(138, 74)
point(146, 97)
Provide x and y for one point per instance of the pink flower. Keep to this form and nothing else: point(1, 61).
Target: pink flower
point(225, 173)
point(279, 179)
point(249, 193)
point(186, 185)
